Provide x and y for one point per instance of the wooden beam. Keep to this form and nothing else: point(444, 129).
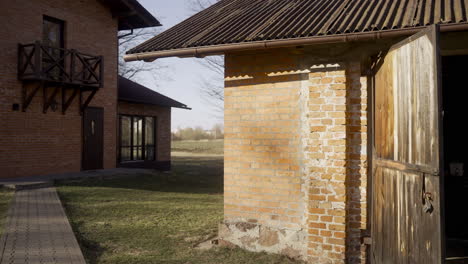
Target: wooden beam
point(87, 101)
point(27, 98)
point(49, 100)
point(67, 102)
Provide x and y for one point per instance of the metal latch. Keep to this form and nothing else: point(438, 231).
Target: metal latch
point(427, 201)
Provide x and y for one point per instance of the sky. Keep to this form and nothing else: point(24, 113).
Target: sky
point(181, 80)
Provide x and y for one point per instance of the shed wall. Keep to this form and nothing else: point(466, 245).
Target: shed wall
point(295, 156)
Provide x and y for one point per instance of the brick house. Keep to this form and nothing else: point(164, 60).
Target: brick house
point(144, 107)
point(59, 102)
point(335, 146)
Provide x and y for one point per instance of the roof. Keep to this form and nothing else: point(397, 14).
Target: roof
point(133, 92)
point(131, 14)
point(249, 21)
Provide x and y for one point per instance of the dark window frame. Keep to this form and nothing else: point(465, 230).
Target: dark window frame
point(143, 144)
point(61, 24)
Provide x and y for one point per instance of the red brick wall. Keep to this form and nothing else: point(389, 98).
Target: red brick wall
point(295, 155)
point(33, 143)
point(163, 133)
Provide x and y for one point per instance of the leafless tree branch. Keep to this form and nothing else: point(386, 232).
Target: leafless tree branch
point(198, 5)
point(133, 70)
point(212, 89)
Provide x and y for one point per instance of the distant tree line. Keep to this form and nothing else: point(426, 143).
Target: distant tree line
point(198, 133)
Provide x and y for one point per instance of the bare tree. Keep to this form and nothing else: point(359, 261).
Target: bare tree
point(198, 5)
point(212, 88)
point(133, 70)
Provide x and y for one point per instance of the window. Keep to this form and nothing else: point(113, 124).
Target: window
point(53, 40)
point(52, 34)
point(137, 138)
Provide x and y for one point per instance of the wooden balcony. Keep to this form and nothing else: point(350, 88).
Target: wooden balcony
point(65, 67)
point(52, 69)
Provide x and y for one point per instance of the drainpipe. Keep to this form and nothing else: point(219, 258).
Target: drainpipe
point(267, 44)
point(126, 35)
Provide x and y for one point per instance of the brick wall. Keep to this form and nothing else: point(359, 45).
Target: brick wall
point(295, 156)
point(34, 143)
point(336, 163)
point(163, 133)
point(262, 164)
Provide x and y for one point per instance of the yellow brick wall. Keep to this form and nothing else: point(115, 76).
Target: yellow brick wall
point(262, 177)
point(337, 156)
point(295, 156)
point(262, 151)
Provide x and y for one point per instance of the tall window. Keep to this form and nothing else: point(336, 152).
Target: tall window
point(53, 40)
point(137, 138)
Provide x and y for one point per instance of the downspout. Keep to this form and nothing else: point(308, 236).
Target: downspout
point(126, 35)
point(221, 49)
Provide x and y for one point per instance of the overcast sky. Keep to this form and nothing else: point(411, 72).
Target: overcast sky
point(182, 77)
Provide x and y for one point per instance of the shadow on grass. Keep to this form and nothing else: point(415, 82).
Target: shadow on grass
point(198, 175)
point(91, 249)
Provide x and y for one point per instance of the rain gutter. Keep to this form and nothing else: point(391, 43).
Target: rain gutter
point(268, 44)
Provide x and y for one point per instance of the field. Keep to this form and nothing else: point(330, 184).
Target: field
point(5, 199)
point(199, 146)
point(155, 219)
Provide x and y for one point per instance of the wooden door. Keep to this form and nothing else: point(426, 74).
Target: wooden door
point(93, 135)
point(406, 208)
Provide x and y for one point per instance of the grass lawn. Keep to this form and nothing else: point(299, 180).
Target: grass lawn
point(199, 146)
point(155, 219)
point(5, 199)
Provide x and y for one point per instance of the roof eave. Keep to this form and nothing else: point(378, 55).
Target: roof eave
point(135, 16)
point(181, 106)
point(225, 48)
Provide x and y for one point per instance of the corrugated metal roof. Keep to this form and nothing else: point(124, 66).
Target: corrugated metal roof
point(242, 21)
point(130, 91)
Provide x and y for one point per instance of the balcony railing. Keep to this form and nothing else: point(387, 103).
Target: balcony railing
point(37, 62)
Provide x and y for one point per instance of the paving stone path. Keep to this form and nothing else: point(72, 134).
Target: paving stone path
point(38, 231)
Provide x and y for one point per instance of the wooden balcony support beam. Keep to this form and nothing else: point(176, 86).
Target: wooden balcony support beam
point(66, 102)
point(86, 102)
point(49, 100)
point(27, 98)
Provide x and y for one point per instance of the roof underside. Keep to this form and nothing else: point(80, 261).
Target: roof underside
point(243, 21)
point(133, 92)
point(131, 14)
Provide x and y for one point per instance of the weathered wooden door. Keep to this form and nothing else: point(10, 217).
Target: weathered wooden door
point(406, 208)
point(93, 137)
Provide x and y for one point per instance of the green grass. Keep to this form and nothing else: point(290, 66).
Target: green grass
point(199, 146)
point(5, 198)
point(155, 219)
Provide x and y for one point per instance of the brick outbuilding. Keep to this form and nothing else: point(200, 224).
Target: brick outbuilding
point(59, 108)
point(334, 138)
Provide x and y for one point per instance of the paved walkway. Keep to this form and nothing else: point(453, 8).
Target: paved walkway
point(38, 230)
